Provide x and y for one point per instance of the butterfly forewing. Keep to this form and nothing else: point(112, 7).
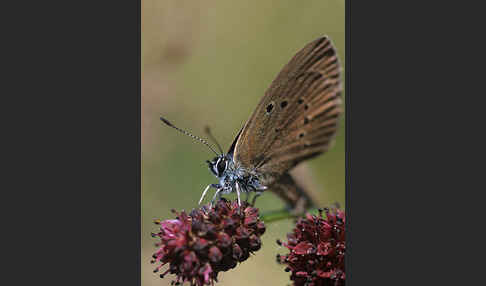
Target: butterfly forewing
point(297, 117)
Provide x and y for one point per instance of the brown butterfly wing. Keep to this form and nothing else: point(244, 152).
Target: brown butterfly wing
point(292, 193)
point(297, 117)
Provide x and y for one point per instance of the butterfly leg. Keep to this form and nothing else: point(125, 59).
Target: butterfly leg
point(257, 194)
point(238, 193)
point(214, 197)
point(247, 196)
point(206, 190)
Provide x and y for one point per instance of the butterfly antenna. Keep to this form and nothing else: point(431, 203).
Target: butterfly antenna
point(189, 134)
point(208, 132)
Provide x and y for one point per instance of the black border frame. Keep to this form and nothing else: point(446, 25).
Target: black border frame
point(78, 132)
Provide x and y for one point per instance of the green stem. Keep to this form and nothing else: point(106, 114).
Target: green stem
point(272, 216)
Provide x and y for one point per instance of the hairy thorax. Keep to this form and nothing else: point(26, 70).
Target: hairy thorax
point(247, 180)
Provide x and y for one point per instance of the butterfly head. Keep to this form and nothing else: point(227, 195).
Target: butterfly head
point(219, 165)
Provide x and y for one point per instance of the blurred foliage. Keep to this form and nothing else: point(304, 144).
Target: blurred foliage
point(209, 63)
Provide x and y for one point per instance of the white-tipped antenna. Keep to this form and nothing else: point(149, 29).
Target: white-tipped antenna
point(189, 134)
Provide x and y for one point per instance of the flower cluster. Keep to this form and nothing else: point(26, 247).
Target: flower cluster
point(317, 249)
point(197, 246)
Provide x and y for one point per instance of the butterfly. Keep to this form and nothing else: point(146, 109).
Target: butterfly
point(296, 120)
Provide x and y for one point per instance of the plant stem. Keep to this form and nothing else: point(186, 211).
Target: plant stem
point(282, 214)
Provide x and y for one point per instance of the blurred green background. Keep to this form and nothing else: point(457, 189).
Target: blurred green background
point(209, 63)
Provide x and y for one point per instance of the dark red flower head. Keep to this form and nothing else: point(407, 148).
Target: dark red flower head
point(317, 249)
point(208, 240)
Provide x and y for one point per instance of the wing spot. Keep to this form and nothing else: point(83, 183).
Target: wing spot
point(283, 104)
point(300, 101)
point(269, 108)
point(306, 120)
point(301, 135)
point(306, 107)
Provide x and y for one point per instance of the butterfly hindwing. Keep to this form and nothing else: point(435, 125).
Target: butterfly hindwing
point(297, 117)
point(292, 193)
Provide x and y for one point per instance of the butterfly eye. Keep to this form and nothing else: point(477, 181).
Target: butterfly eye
point(221, 166)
